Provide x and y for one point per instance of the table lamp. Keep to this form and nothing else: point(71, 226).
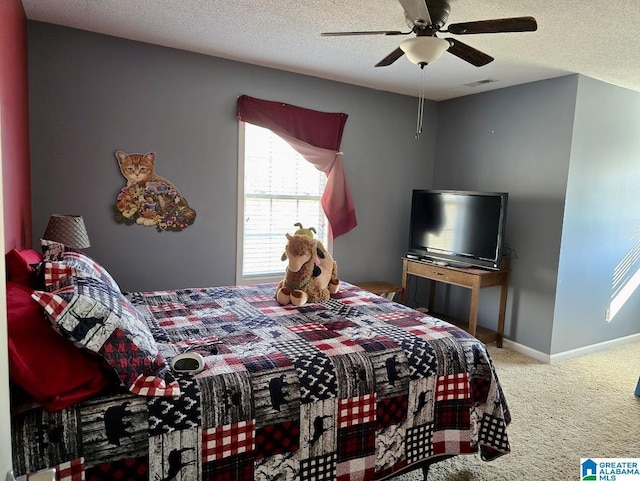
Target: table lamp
point(68, 230)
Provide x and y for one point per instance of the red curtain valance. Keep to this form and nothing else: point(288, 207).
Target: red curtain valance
point(320, 129)
point(316, 136)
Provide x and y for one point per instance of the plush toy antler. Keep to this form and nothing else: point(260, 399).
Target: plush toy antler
point(302, 231)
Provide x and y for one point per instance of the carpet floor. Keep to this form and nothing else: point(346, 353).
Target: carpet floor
point(579, 408)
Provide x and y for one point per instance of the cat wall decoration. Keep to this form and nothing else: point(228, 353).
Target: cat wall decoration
point(149, 199)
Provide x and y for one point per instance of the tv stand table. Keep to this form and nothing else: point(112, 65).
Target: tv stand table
point(470, 278)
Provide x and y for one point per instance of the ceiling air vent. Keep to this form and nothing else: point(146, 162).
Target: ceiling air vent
point(481, 82)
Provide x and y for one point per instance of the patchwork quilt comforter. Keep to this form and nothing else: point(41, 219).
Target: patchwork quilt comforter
point(355, 388)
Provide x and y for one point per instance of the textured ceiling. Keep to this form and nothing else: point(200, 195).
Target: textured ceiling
point(597, 38)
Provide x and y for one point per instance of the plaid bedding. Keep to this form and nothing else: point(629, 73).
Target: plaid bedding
point(355, 388)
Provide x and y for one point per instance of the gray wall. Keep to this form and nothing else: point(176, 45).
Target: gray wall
point(567, 151)
point(515, 140)
point(91, 95)
point(601, 231)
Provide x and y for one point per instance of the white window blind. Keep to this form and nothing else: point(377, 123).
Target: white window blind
point(279, 188)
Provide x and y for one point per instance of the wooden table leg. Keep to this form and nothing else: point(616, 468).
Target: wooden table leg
point(503, 308)
point(403, 296)
point(473, 311)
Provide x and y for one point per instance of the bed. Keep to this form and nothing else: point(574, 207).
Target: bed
point(354, 388)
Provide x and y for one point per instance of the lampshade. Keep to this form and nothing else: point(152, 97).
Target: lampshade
point(68, 230)
point(424, 50)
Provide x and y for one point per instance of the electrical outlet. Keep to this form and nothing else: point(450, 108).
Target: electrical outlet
point(607, 315)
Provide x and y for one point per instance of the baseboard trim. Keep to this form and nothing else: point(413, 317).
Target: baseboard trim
point(573, 353)
point(593, 348)
point(527, 351)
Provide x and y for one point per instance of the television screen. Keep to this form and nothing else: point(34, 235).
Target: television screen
point(458, 227)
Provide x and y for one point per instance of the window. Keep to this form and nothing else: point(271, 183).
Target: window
point(277, 188)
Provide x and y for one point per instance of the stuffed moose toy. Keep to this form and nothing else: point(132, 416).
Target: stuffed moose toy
point(311, 274)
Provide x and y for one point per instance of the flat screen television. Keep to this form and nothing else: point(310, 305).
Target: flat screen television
point(458, 228)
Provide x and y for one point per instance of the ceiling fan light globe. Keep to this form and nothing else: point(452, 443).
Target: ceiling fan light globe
point(424, 50)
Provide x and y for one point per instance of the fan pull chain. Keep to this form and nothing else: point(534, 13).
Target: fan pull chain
point(421, 101)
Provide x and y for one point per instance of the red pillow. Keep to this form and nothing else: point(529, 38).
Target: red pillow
point(48, 367)
point(20, 266)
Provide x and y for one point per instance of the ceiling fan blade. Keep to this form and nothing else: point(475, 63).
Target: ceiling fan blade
point(469, 54)
point(516, 24)
point(369, 32)
point(392, 57)
point(416, 11)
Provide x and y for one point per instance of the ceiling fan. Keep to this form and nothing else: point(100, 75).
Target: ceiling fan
point(426, 18)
